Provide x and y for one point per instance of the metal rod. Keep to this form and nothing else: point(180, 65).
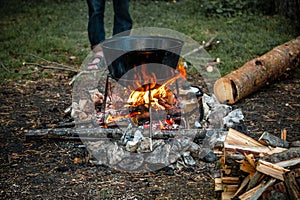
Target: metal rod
point(105, 99)
point(150, 118)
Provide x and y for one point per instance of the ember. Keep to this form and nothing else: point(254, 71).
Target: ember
point(161, 98)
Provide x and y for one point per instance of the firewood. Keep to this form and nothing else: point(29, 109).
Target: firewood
point(270, 139)
point(230, 188)
point(227, 195)
point(291, 185)
point(245, 166)
point(293, 152)
point(251, 192)
point(258, 151)
point(235, 137)
point(258, 72)
point(288, 163)
point(250, 158)
point(239, 142)
point(271, 169)
point(255, 179)
point(261, 190)
point(242, 186)
point(278, 188)
point(233, 159)
point(218, 185)
point(257, 191)
point(230, 180)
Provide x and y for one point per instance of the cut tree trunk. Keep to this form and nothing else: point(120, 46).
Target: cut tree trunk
point(258, 72)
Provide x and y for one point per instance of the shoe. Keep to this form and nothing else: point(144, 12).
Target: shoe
point(95, 65)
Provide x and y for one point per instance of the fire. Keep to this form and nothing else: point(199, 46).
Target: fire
point(181, 68)
point(154, 95)
point(160, 96)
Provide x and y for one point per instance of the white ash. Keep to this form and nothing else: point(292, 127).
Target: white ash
point(140, 152)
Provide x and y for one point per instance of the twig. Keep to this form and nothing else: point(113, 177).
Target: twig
point(52, 62)
point(50, 67)
point(207, 44)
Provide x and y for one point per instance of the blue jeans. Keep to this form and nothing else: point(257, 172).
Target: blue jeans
point(122, 19)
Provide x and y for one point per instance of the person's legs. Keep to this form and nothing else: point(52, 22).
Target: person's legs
point(122, 18)
point(96, 31)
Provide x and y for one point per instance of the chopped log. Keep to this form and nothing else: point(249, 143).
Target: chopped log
point(230, 180)
point(239, 142)
point(261, 190)
point(256, 178)
point(290, 153)
point(271, 169)
point(242, 186)
point(238, 138)
point(270, 139)
point(227, 195)
point(278, 188)
point(230, 188)
point(232, 159)
point(258, 72)
point(258, 151)
point(251, 192)
point(288, 163)
point(225, 168)
point(218, 185)
point(247, 167)
point(291, 185)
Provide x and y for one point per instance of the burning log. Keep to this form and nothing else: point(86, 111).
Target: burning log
point(258, 72)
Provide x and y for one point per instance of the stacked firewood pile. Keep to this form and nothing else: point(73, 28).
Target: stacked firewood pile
point(264, 168)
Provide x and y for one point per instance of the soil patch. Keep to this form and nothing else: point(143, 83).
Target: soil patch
point(53, 169)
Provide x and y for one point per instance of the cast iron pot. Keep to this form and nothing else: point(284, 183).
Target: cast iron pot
point(132, 57)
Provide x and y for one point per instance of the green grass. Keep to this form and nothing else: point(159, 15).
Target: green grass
point(57, 29)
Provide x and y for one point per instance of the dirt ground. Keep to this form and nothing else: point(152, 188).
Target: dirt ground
point(55, 169)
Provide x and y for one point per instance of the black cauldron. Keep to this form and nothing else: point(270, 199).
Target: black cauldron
point(141, 55)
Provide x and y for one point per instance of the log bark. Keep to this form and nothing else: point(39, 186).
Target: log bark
point(242, 186)
point(102, 133)
point(248, 194)
point(254, 180)
point(291, 153)
point(291, 185)
point(258, 72)
point(270, 139)
point(260, 191)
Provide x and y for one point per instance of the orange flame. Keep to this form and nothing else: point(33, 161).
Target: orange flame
point(158, 93)
point(181, 68)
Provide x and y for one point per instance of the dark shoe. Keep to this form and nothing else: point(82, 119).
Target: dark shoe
point(96, 65)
